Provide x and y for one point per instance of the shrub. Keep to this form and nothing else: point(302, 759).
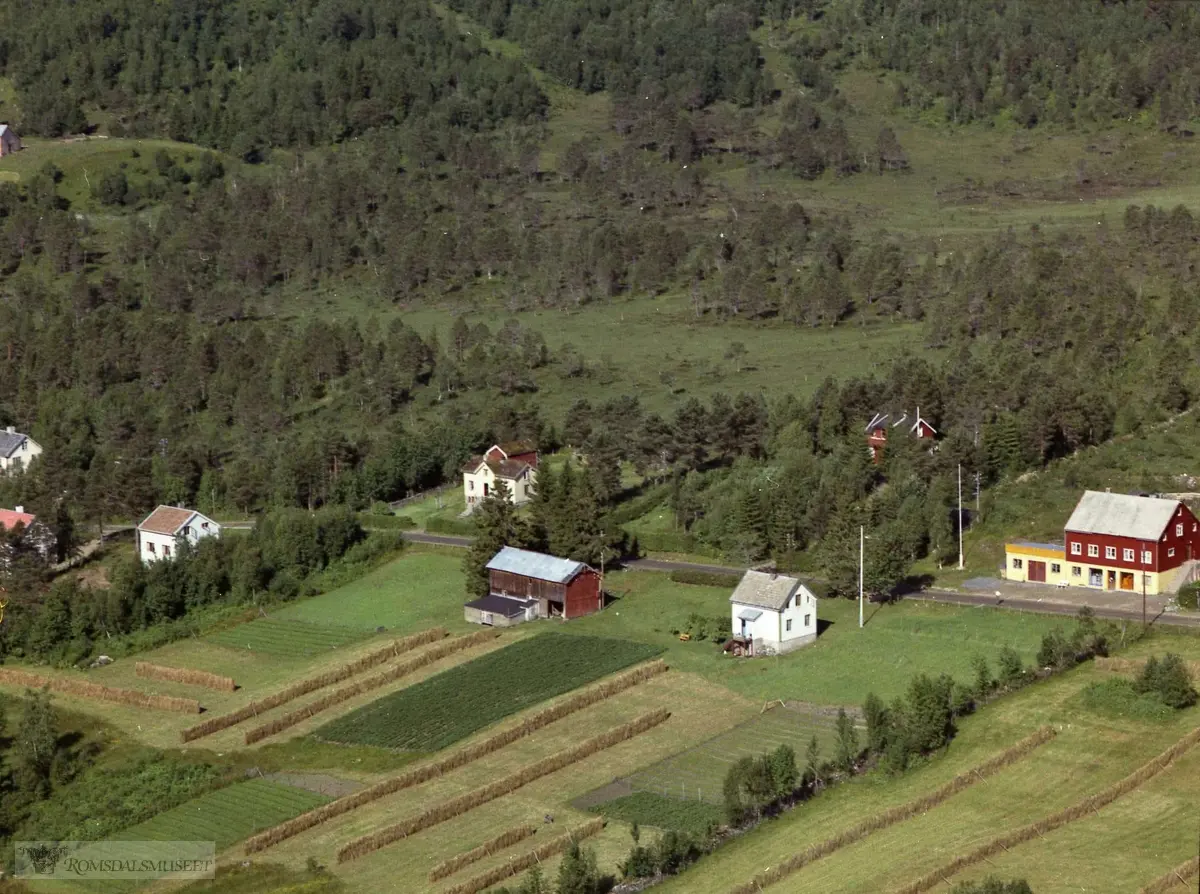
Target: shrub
point(1118, 698)
point(991, 885)
point(459, 527)
point(386, 521)
point(705, 579)
point(755, 783)
point(1189, 596)
point(1011, 670)
point(1168, 679)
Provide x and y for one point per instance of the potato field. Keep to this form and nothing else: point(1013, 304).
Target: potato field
point(443, 709)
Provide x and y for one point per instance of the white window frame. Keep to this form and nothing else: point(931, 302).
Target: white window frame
point(1171, 552)
point(1055, 568)
point(1093, 551)
point(1127, 555)
point(1179, 530)
point(807, 620)
point(1076, 571)
point(1076, 548)
point(788, 626)
point(1017, 563)
point(1110, 552)
point(1147, 557)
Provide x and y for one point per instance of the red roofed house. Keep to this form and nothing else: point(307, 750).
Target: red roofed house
point(36, 535)
point(160, 532)
point(514, 463)
point(877, 430)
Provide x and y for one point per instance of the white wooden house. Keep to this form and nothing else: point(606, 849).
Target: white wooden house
point(772, 613)
point(161, 532)
point(17, 450)
point(514, 463)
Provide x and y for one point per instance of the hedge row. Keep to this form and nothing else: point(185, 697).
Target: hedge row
point(460, 527)
point(184, 675)
point(455, 760)
point(527, 860)
point(1173, 877)
point(1103, 798)
point(448, 810)
point(897, 814)
point(437, 653)
point(105, 693)
point(304, 687)
point(499, 843)
point(1136, 665)
point(672, 542)
point(706, 579)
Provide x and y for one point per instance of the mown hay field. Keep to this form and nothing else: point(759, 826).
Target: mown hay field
point(450, 706)
point(285, 638)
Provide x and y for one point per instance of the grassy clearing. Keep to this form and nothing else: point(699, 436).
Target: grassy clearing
point(450, 706)
point(285, 638)
point(649, 809)
point(1117, 698)
point(698, 773)
point(844, 664)
point(416, 591)
point(445, 504)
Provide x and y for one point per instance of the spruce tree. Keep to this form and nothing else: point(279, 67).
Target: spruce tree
point(496, 526)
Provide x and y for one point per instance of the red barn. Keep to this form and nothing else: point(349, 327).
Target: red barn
point(563, 588)
point(877, 430)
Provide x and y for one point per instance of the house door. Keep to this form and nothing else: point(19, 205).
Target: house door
point(1126, 580)
point(1095, 577)
point(485, 618)
point(1037, 571)
point(743, 626)
point(485, 488)
point(1111, 584)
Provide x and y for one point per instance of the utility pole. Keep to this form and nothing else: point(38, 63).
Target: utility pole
point(960, 541)
point(861, 554)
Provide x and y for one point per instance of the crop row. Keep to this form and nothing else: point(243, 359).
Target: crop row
point(529, 859)
point(448, 810)
point(1103, 798)
point(444, 709)
point(897, 814)
point(459, 758)
point(184, 675)
point(133, 697)
point(303, 687)
point(505, 839)
point(437, 653)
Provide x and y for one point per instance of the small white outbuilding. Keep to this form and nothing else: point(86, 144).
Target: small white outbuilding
point(772, 613)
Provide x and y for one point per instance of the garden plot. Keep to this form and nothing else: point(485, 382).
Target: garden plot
point(286, 639)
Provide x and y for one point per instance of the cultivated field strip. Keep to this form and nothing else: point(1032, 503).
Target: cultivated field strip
point(460, 758)
point(898, 814)
point(1178, 875)
point(396, 672)
point(447, 810)
point(84, 689)
point(286, 639)
point(304, 687)
point(505, 839)
point(527, 860)
point(1135, 666)
point(185, 675)
point(1094, 802)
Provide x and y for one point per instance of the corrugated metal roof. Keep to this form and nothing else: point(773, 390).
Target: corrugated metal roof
point(536, 565)
point(749, 614)
point(1121, 515)
point(1037, 544)
point(764, 590)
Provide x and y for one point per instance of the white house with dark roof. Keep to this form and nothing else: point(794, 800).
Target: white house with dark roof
point(772, 613)
point(161, 532)
point(514, 463)
point(17, 450)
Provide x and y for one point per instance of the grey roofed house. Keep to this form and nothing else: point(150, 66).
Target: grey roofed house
point(762, 590)
point(535, 565)
point(1121, 515)
point(11, 441)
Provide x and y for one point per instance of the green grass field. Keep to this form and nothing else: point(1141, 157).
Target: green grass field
point(286, 638)
point(414, 592)
point(648, 809)
point(699, 772)
point(450, 706)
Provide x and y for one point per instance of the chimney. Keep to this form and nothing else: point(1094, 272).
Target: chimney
point(11, 430)
point(21, 510)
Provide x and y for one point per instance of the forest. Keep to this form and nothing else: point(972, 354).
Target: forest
point(164, 343)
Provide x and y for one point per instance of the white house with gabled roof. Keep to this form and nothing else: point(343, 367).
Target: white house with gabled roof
point(163, 530)
point(17, 450)
point(772, 613)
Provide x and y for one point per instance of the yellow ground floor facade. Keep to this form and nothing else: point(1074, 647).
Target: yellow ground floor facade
point(1046, 563)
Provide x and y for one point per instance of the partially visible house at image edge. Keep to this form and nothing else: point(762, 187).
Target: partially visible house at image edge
point(523, 585)
point(1114, 542)
point(159, 534)
point(9, 141)
point(877, 430)
point(772, 613)
point(514, 463)
point(35, 535)
point(17, 450)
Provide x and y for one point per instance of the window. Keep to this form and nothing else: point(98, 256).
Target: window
point(1146, 557)
point(1016, 563)
point(807, 620)
point(470, 485)
point(1076, 549)
point(149, 547)
point(1128, 555)
point(1093, 550)
point(1055, 568)
point(1179, 530)
point(789, 624)
point(1110, 552)
point(1171, 552)
point(166, 550)
point(204, 526)
point(1076, 571)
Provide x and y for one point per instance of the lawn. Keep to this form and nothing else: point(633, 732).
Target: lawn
point(414, 592)
point(446, 503)
point(844, 664)
point(288, 639)
point(452, 705)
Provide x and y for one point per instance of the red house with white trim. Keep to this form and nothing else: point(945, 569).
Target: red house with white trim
point(877, 430)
